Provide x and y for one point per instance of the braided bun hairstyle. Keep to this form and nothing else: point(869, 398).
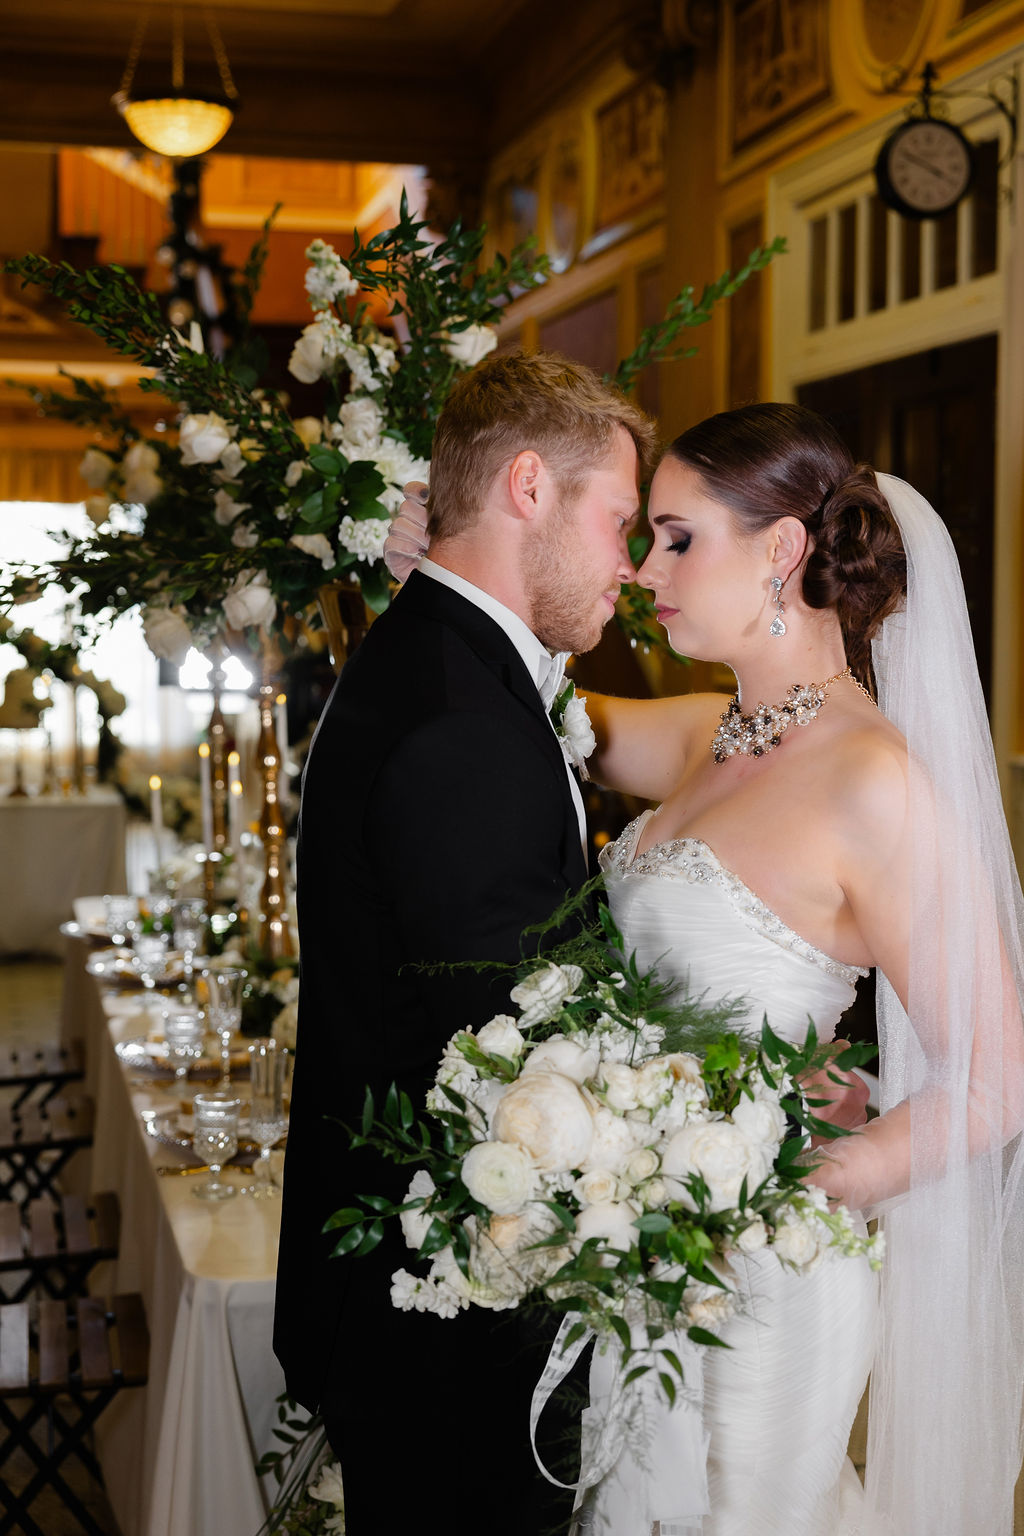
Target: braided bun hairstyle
point(772, 460)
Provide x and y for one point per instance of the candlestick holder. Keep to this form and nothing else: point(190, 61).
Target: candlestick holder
point(274, 932)
point(217, 736)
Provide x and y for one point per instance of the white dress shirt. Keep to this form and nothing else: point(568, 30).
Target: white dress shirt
point(545, 669)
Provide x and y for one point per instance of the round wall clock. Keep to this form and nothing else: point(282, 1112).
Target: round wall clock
point(924, 168)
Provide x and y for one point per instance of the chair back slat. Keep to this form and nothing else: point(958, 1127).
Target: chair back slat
point(93, 1343)
point(12, 1242)
point(14, 1348)
point(77, 1231)
point(53, 1346)
point(43, 1239)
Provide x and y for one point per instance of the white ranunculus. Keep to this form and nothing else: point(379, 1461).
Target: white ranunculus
point(416, 1222)
point(541, 996)
point(620, 1086)
point(500, 1175)
point(245, 535)
point(295, 471)
point(97, 508)
point(361, 422)
point(721, 1154)
point(202, 439)
point(96, 468)
point(468, 347)
point(796, 1243)
point(328, 1488)
point(753, 1237)
point(226, 509)
point(641, 1165)
point(763, 1122)
point(614, 1138)
point(561, 1055)
point(612, 1221)
point(167, 633)
point(364, 536)
point(548, 1116)
point(249, 600)
point(500, 1037)
point(579, 735)
point(316, 544)
point(598, 1187)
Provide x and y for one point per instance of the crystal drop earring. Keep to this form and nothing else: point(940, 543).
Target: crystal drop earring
point(778, 626)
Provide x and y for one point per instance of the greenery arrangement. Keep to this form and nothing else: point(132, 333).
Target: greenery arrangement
point(235, 523)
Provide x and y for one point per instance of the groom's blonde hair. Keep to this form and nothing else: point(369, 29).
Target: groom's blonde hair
point(520, 401)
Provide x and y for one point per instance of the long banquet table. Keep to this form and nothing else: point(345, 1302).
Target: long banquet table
point(54, 850)
point(178, 1455)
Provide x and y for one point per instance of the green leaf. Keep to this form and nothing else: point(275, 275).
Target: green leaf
point(326, 461)
point(702, 1336)
point(351, 1242)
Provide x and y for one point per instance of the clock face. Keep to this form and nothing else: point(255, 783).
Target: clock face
point(924, 168)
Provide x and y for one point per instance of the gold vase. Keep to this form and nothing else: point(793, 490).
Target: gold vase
point(273, 935)
point(345, 619)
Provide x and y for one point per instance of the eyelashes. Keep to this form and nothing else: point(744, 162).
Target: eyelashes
point(680, 545)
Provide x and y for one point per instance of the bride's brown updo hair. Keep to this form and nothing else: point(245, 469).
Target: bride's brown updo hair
point(773, 460)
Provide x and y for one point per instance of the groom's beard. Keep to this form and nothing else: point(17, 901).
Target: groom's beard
point(564, 588)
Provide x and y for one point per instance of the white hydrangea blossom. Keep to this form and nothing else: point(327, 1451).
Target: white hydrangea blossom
point(364, 537)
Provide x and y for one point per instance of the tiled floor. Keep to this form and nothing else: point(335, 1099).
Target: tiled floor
point(29, 1015)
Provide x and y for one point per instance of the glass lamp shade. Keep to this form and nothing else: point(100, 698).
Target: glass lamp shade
point(179, 127)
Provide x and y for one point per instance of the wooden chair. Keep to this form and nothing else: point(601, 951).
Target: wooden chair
point(46, 1069)
point(65, 1368)
point(36, 1142)
point(52, 1246)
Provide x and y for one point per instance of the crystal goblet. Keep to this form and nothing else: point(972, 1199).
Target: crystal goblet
point(149, 958)
point(183, 1039)
point(224, 984)
point(189, 919)
point(120, 913)
point(270, 1068)
point(215, 1140)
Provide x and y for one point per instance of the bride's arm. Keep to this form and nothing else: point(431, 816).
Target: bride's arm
point(643, 745)
point(970, 1090)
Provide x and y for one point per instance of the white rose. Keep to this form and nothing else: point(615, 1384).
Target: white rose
point(540, 997)
point(500, 1037)
point(416, 1222)
point(307, 362)
point(294, 473)
point(250, 601)
point(762, 1121)
point(620, 1085)
point(232, 463)
point(753, 1237)
point(547, 1115)
point(578, 738)
point(795, 1243)
point(654, 1194)
point(245, 536)
point(468, 347)
point(613, 1140)
point(328, 1488)
point(708, 1307)
point(611, 1221)
point(167, 633)
point(598, 1187)
point(316, 544)
point(97, 509)
point(202, 439)
point(139, 470)
point(641, 1164)
point(564, 1056)
point(723, 1157)
point(361, 422)
point(96, 468)
point(499, 1175)
point(225, 509)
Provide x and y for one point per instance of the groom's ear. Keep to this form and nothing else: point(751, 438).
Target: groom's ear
point(528, 483)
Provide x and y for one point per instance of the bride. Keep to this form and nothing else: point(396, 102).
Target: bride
point(802, 837)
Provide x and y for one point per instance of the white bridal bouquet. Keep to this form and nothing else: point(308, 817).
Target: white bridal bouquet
point(606, 1150)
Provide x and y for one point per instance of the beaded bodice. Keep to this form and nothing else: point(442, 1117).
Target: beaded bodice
point(677, 905)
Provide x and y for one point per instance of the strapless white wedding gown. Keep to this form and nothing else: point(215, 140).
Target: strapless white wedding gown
point(778, 1406)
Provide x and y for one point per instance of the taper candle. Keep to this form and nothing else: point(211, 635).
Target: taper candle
point(156, 815)
point(206, 795)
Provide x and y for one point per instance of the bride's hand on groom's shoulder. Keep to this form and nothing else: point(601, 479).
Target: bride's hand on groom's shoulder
point(407, 542)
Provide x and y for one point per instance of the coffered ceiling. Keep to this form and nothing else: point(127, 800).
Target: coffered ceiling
point(406, 81)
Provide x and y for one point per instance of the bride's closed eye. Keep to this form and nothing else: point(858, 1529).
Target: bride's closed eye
point(681, 545)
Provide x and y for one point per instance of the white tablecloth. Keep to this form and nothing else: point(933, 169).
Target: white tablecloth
point(178, 1455)
point(53, 850)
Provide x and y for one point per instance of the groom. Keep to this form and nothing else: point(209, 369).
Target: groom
point(439, 819)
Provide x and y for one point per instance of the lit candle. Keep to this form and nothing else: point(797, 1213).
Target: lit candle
point(156, 814)
point(282, 747)
point(206, 795)
point(235, 826)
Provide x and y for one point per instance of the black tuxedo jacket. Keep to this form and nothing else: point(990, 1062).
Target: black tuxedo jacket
point(436, 823)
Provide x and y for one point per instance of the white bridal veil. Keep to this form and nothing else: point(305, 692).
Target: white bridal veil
point(945, 1410)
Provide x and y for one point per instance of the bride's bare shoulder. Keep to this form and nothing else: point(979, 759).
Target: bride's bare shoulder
point(868, 780)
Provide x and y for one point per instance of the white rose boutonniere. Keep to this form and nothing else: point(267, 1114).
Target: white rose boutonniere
point(572, 726)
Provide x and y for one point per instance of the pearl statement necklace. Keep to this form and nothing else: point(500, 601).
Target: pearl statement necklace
point(754, 735)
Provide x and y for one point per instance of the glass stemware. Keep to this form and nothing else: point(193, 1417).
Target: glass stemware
point(189, 918)
point(215, 1140)
point(120, 913)
point(183, 1039)
point(270, 1084)
point(149, 957)
point(224, 984)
